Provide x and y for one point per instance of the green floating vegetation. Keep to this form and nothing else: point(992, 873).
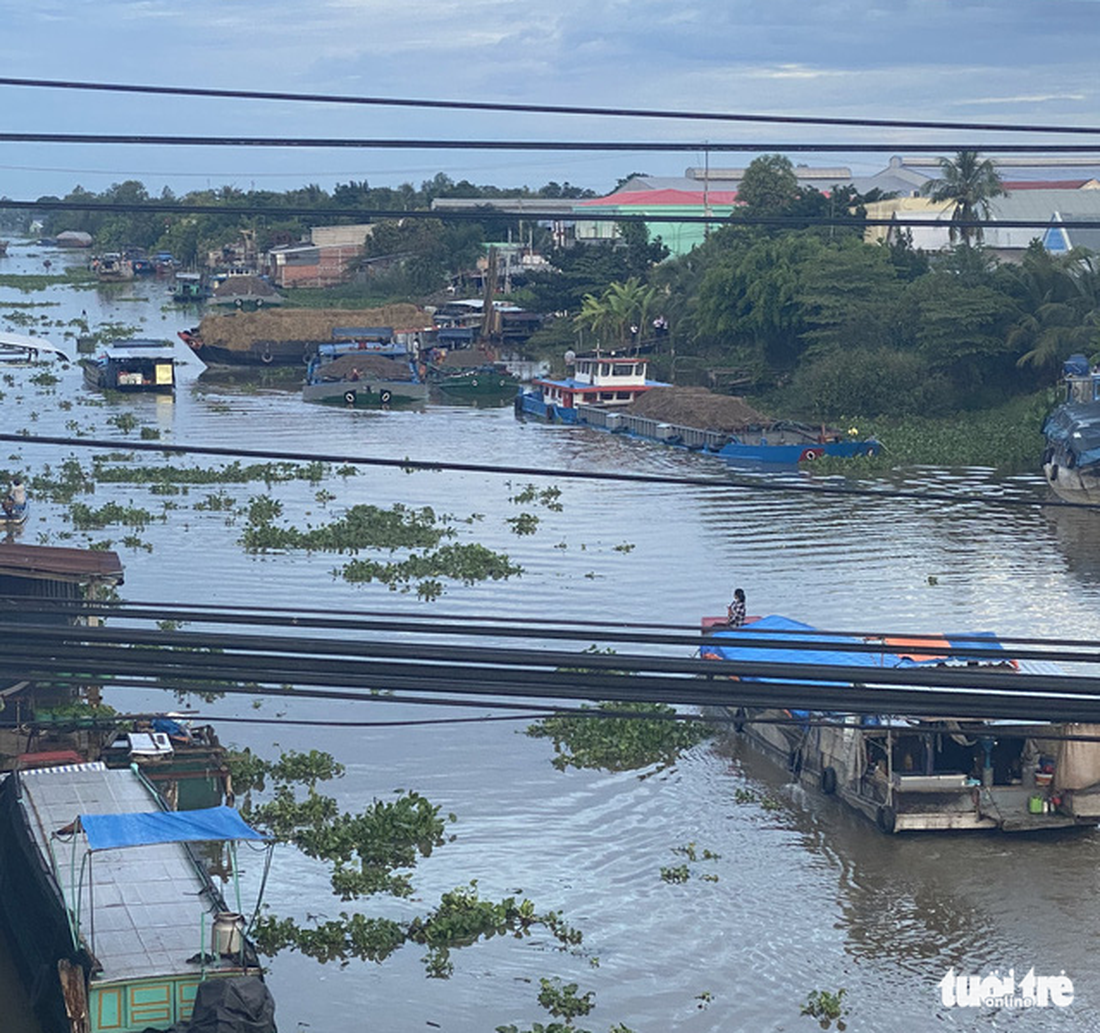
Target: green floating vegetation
point(366, 526)
point(363, 526)
point(85, 518)
point(468, 563)
point(232, 473)
point(627, 737)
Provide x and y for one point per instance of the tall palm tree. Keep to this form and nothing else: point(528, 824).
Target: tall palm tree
point(969, 184)
point(620, 312)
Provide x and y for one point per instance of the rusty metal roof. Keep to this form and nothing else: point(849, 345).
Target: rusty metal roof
point(50, 563)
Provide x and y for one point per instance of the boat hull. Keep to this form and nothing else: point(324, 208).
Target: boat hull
point(783, 447)
point(367, 393)
point(257, 353)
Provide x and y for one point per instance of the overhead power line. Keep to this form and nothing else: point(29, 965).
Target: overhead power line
point(548, 109)
point(531, 471)
point(433, 144)
point(338, 669)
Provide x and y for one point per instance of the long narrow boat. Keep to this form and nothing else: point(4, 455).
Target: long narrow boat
point(1071, 461)
point(916, 773)
point(115, 923)
point(603, 385)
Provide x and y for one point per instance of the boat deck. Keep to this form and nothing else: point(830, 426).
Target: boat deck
point(148, 901)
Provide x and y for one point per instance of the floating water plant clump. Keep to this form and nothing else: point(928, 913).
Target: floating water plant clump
point(619, 736)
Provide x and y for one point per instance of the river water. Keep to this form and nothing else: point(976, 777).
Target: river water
point(808, 896)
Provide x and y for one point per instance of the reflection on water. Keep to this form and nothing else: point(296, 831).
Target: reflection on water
point(808, 896)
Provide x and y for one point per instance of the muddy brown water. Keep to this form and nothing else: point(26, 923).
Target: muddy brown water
point(808, 896)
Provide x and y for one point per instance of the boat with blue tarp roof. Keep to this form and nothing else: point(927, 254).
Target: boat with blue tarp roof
point(136, 364)
point(919, 773)
point(118, 923)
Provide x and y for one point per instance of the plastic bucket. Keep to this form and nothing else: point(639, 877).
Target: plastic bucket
point(1035, 804)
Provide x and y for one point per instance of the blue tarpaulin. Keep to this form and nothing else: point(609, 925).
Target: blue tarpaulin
point(112, 831)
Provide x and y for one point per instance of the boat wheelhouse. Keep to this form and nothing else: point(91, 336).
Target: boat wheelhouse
point(599, 379)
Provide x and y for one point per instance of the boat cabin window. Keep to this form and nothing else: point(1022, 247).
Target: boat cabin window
point(605, 369)
point(623, 369)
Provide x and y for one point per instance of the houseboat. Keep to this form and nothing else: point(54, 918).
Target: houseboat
point(116, 921)
point(920, 773)
point(1071, 461)
point(132, 365)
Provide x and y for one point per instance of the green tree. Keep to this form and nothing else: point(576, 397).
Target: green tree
point(969, 184)
point(769, 185)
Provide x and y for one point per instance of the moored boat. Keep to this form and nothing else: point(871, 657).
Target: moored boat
point(1071, 461)
point(113, 268)
point(118, 923)
point(190, 288)
point(360, 379)
point(915, 773)
point(489, 380)
point(137, 364)
point(604, 388)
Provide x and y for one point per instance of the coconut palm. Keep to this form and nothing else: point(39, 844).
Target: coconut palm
point(969, 183)
point(618, 311)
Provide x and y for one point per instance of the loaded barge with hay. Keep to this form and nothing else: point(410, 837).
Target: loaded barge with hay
point(291, 337)
point(612, 393)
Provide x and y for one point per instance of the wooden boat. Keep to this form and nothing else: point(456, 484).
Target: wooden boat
point(137, 364)
point(1071, 460)
point(116, 921)
point(13, 514)
point(602, 384)
point(360, 379)
point(922, 773)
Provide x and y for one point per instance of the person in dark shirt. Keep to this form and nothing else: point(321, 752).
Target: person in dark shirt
point(735, 612)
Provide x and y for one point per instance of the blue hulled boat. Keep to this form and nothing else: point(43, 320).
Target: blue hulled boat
point(1071, 461)
point(604, 385)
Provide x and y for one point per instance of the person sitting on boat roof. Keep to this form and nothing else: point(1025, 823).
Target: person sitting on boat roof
point(354, 374)
point(735, 612)
point(18, 492)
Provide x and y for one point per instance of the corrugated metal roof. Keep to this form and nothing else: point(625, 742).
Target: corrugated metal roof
point(148, 900)
point(58, 564)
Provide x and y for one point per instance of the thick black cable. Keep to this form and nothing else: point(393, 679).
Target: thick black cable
point(435, 144)
point(974, 645)
point(530, 471)
point(527, 109)
point(959, 691)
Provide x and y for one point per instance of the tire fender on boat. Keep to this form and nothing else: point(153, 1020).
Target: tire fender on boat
point(350, 397)
point(739, 717)
point(886, 819)
point(810, 454)
point(794, 763)
point(266, 358)
point(385, 397)
point(473, 382)
point(1054, 472)
point(828, 781)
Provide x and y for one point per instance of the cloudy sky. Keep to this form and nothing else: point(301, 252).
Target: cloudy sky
point(1020, 62)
